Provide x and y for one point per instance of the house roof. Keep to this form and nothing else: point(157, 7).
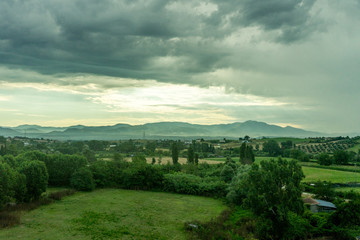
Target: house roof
point(322, 203)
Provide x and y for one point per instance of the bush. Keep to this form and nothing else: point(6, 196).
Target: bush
point(61, 194)
point(82, 180)
point(105, 173)
point(194, 185)
point(142, 176)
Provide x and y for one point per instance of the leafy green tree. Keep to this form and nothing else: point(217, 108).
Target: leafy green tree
point(272, 148)
point(139, 159)
point(60, 168)
point(82, 180)
point(237, 189)
point(30, 156)
point(324, 159)
point(175, 153)
point(153, 161)
point(9, 159)
point(273, 190)
point(19, 187)
point(36, 178)
point(190, 157)
point(6, 181)
point(347, 214)
point(287, 144)
point(227, 173)
point(341, 157)
point(118, 157)
point(90, 155)
point(324, 191)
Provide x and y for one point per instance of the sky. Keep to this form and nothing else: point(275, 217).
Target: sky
point(90, 62)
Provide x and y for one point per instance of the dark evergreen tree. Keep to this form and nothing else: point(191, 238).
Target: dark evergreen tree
point(272, 147)
point(190, 157)
point(175, 153)
point(246, 154)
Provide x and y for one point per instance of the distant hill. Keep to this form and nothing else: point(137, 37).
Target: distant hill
point(158, 130)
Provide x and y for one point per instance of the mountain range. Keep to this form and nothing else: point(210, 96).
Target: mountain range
point(160, 130)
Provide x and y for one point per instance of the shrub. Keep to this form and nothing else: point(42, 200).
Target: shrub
point(61, 194)
point(194, 185)
point(142, 176)
point(82, 180)
point(9, 219)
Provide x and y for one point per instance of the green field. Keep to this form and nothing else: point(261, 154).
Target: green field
point(115, 214)
point(347, 168)
point(348, 189)
point(314, 174)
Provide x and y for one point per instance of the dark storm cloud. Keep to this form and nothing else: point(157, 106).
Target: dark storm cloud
point(122, 38)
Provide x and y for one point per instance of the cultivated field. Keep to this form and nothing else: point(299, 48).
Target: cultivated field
point(115, 214)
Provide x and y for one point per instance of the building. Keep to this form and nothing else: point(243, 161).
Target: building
point(317, 205)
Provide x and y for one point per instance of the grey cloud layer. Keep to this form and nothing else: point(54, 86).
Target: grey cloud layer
point(120, 38)
point(304, 52)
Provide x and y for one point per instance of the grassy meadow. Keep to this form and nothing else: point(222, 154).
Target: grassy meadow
point(115, 214)
point(314, 174)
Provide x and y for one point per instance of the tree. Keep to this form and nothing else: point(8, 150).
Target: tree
point(273, 190)
point(341, 157)
point(6, 179)
point(175, 153)
point(190, 157)
point(90, 155)
point(196, 158)
point(153, 161)
point(36, 178)
point(324, 191)
point(118, 157)
point(227, 173)
point(287, 144)
point(272, 147)
point(246, 154)
point(139, 159)
point(82, 180)
point(324, 159)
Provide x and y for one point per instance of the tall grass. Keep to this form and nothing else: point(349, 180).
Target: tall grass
point(11, 214)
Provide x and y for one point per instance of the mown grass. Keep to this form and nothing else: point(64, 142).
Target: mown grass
point(115, 214)
point(347, 168)
point(347, 189)
point(355, 148)
point(313, 174)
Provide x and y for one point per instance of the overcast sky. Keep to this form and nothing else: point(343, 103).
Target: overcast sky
point(287, 62)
